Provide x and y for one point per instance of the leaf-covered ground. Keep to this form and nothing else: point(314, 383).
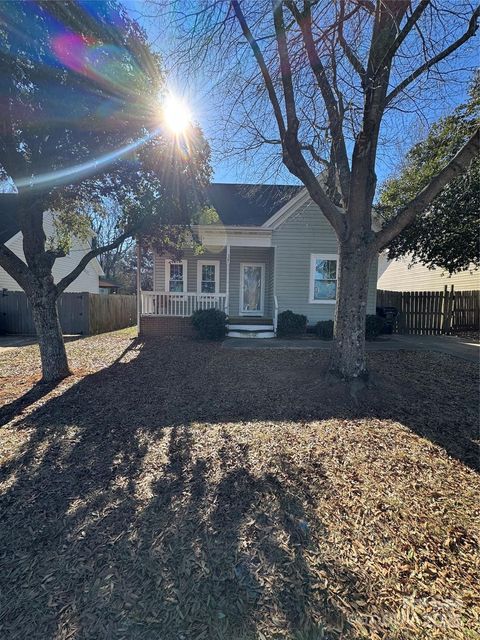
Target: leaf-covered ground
point(175, 490)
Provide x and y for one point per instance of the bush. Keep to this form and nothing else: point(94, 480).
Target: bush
point(324, 329)
point(291, 324)
point(210, 324)
point(374, 326)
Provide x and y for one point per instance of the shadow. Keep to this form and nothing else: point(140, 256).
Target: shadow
point(16, 407)
point(135, 510)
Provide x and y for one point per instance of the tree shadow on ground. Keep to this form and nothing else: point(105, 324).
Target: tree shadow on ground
point(122, 518)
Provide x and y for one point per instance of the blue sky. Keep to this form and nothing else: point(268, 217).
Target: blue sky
point(404, 129)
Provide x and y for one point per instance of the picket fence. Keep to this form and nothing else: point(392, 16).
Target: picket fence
point(433, 312)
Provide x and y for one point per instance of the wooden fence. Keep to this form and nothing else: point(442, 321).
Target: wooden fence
point(80, 313)
point(110, 312)
point(433, 312)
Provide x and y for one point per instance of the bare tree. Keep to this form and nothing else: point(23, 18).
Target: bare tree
point(105, 224)
point(326, 83)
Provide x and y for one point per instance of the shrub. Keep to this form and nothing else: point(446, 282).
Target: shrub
point(291, 324)
point(324, 329)
point(210, 324)
point(374, 326)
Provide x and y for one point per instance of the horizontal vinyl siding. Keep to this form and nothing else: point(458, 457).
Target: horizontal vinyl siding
point(15, 245)
point(397, 276)
point(87, 281)
point(307, 231)
point(192, 259)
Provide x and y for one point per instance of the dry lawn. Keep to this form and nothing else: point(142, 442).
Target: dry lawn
point(175, 490)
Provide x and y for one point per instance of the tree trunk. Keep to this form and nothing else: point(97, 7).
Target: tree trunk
point(348, 352)
point(50, 338)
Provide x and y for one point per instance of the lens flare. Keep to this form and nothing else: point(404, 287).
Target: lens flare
point(176, 114)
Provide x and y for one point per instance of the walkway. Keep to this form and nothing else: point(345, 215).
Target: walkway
point(450, 345)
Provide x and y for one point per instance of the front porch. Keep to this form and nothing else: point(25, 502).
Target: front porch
point(238, 280)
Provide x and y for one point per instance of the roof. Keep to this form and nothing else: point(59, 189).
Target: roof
point(8, 216)
point(107, 284)
point(249, 204)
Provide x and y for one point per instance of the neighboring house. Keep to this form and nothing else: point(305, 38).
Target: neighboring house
point(87, 281)
point(398, 275)
point(273, 250)
point(108, 286)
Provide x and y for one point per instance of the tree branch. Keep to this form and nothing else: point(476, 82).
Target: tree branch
point(457, 165)
point(304, 21)
point(262, 65)
point(470, 32)
point(408, 26)
point(350, 54)
point(292, 150)
point(93, 253)
point(285, 71)
point(14, 266)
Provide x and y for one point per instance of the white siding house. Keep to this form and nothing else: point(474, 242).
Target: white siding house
point(87, 281)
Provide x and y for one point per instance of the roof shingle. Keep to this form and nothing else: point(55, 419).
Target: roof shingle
point(248, 204)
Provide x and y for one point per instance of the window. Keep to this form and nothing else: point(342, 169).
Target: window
point(208, 272)
point(323, 278)
point(176, 276)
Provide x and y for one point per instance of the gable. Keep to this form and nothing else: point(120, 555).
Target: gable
point(300, 200)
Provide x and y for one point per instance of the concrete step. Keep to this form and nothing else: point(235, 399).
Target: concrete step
point(250, 327)
point(251, 334)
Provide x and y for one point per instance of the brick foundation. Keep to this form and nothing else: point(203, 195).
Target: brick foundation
point(160, 326)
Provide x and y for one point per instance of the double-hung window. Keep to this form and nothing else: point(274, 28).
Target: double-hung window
point(176, 276)
point(208, 276)
point(323, 278)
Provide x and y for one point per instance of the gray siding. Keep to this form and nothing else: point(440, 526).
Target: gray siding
point(237, 256)
point(192, 259)
point(307, 231)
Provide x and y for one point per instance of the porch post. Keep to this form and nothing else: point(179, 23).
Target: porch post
point(139, 287)
point(227, 300)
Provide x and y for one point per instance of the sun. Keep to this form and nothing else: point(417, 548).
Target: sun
point(176, 114)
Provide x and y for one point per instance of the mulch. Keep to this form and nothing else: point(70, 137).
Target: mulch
point(175, 490)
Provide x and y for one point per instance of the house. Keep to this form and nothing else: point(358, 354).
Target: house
point(400, 275)
point(108, 286)
point(273, 250)
point(87, 281)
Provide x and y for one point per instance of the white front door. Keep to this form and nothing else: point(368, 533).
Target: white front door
point(252, 288)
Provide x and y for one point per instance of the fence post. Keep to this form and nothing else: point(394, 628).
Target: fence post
point(447, 309)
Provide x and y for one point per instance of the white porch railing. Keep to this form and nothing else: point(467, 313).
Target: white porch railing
point(160, 303)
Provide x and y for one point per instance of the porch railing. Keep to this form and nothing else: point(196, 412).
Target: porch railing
point(160, 303)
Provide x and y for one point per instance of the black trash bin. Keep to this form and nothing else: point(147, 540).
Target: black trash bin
point(389, 314)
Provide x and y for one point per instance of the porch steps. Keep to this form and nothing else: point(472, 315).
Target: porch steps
point(250, 328)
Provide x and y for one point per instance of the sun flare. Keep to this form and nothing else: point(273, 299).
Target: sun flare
point(177, 115)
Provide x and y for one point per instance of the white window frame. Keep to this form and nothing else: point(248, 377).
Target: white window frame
point(260, 312)
point(313, 258)
point(167, 275)
point(200, 264)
